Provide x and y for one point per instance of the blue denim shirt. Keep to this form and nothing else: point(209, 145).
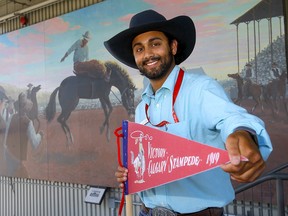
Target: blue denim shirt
point(206, 115)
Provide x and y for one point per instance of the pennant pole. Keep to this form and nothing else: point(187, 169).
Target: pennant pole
point(129, 205)
point(128, 198)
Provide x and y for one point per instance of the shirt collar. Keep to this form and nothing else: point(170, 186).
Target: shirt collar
point(168, 84)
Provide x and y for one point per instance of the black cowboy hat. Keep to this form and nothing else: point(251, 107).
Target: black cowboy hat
point(180, 28)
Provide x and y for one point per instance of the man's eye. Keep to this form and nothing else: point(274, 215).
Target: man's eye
point(139, 49)
point(156, 44)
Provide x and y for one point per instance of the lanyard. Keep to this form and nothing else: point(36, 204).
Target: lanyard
point(175, 93)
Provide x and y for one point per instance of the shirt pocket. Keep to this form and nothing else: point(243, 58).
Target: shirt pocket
point(181, 129)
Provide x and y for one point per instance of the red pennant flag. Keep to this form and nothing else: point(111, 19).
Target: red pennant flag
point(155, 157)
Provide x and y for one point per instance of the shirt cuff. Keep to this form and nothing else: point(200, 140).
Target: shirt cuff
point(251, 132)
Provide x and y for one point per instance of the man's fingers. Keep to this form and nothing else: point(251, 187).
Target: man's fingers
point(245, 171)
point(121, 175)
point(232, 146)
point(250, 175)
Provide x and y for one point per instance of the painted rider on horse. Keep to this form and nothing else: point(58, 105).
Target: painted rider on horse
point(275, 74)
point(248, 78)
point(82, 65)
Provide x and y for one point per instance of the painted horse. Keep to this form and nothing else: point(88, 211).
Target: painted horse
point(276, 90)
point(252, 89)
point(33, 113)
point(73, 88)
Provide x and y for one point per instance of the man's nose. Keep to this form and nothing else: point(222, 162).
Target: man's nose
point(148, 53)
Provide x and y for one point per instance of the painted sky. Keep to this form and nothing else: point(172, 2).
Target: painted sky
point(32, 54)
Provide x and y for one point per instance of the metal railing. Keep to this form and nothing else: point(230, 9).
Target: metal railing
point(265, 196)
point(28, 197)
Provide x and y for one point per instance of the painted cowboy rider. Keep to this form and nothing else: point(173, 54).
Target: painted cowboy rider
point(275, 74)
point(82, 65)
point(248, 78)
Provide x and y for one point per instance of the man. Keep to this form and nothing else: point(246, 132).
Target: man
point(82, 64)
point(19, 132)
point(202, 112)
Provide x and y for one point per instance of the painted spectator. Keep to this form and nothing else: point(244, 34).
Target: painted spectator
point(3, 99)
point(19, 133)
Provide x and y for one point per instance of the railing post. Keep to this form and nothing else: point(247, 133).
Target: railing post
point(280, 197)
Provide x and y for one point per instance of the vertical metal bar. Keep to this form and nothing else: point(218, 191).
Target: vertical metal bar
point(280, 197)
point(255, 51)
point(248, 42)
point(270, 205)
point(259, 38)
point(280, 26)
point(237, 43)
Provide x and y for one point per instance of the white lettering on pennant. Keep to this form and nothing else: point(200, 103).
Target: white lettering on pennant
point(155, 152)
point(213, 158)
point(156, 167)
point(177, 162)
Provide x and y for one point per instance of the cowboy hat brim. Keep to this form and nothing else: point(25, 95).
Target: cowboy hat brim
point(180, 28)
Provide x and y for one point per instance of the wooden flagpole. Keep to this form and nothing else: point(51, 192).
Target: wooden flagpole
point(129, 205)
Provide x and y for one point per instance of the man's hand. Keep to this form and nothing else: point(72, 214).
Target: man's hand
point(241, 143)
point(121, 175)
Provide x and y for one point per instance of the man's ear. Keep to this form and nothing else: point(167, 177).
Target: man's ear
point(174, 46)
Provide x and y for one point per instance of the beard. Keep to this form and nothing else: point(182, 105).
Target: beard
point(157, 72)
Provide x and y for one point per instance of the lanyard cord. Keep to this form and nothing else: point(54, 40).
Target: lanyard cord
point(119, 136)
point(175, 93)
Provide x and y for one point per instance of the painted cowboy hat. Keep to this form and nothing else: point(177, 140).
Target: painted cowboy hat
point(180, 28)
point(87, 36)
point(29, 85)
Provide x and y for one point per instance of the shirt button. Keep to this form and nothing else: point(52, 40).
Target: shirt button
point(157, 105)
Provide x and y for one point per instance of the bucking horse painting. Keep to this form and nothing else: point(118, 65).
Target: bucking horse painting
point(73, 88)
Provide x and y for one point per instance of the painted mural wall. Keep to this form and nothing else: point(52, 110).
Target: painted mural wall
point(68, 133)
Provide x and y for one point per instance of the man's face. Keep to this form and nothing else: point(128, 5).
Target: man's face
point(153, 54)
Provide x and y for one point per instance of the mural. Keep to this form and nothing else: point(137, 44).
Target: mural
point(58, 116)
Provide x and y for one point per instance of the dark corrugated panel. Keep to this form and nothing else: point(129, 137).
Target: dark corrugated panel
point(45, 13)
point(263, 10)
